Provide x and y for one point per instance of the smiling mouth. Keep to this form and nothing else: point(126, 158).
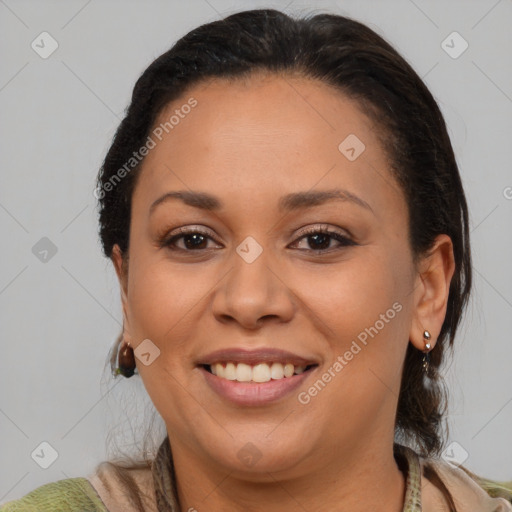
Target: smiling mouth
point(258, 373)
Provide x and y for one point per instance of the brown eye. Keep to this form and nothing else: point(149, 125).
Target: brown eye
point(319, 239)
point(193, 240)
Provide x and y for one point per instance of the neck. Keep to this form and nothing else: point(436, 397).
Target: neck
point(367, 477)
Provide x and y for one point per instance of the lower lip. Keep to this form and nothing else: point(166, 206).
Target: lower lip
point(254, 393)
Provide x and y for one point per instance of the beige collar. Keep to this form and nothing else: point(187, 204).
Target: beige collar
point(467, 495)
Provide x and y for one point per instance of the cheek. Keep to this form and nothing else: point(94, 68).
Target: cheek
point(363, 314)
point(163, 308)
point(160, 295)
point(164, 304)
point(351, 296)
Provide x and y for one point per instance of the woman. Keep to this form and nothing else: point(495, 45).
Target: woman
point(286, 218)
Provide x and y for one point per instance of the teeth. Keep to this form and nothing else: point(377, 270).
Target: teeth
point(230, 372)
point(243, 372)
point(276, 371)
point(288, 370)
point(219, 370)
point(262, 372)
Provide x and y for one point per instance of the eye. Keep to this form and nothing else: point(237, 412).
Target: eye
point(193, 239)
point(321, 237)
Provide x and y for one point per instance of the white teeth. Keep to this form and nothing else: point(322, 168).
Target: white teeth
point(219, 370)
point(230, 372)
point(243, 372)
point(288, 370)
point(276, 371)
point(261, 372)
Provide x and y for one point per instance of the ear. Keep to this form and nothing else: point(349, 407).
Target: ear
point(121, 268)
point(431, 290)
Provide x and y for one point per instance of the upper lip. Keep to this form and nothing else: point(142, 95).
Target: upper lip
point(252, 357)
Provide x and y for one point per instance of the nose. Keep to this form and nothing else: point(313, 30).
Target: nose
point(252, 292)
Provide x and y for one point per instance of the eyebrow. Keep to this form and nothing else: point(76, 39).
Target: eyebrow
point(289, 202)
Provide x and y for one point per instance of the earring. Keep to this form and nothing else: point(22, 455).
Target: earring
point(426, 353)
point(126, 361)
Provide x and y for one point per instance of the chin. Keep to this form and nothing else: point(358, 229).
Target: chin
point(253, 456)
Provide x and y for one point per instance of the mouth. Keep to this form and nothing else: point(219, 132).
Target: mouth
point(257, 373)
point(257, 377)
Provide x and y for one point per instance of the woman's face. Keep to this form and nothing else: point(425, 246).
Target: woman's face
point(257, 284)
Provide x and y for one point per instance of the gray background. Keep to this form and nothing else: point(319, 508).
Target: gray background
point(60, 317)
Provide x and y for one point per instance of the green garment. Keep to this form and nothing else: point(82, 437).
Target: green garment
point(69, 495)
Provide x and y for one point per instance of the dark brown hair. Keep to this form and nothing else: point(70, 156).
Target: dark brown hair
point(351, 57)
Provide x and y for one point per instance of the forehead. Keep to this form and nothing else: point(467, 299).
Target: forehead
point(256, 137)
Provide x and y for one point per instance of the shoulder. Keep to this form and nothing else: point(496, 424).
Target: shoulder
point(69, 495)
point(469, 492)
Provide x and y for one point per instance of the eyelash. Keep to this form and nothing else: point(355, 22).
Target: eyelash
point(344, 241)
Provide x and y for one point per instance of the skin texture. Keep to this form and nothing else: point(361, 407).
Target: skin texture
point(249, 142)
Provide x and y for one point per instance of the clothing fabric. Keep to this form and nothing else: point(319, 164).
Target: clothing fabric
point(69, 495)
point(102, 492)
